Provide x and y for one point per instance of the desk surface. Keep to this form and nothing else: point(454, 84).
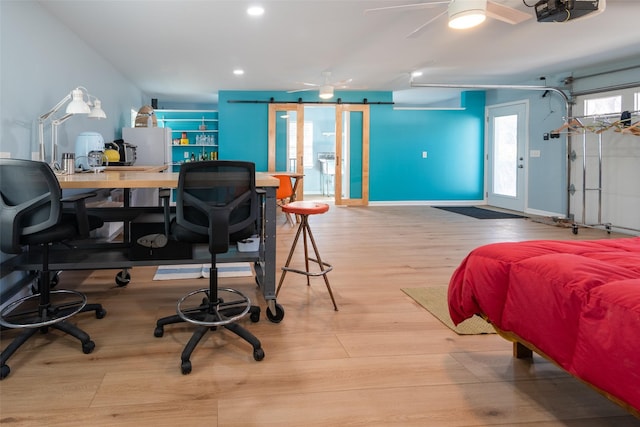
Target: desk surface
point(137, 168)
point(139, 179)
point(291, 174)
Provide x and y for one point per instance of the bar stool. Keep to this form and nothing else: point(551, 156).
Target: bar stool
point(303, 209)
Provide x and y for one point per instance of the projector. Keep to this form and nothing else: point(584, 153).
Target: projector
point(567, 10)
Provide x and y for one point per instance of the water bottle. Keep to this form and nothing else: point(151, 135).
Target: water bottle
point(69, 163)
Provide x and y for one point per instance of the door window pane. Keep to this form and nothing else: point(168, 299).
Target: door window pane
point(505, 161)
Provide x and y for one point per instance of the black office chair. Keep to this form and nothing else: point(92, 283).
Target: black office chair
point(216, 202)
point(33, 215)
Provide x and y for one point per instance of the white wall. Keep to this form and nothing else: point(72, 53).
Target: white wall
point(41, 61)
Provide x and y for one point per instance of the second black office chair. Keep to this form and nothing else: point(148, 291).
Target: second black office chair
point(216, 201)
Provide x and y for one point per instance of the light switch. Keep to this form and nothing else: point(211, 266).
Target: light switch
point(424, 154)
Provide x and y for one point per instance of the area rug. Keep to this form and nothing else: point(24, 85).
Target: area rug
point(478, 213)
point(434, 299)
point(195, 271)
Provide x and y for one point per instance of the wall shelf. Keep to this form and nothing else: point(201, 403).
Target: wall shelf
point(189, 123)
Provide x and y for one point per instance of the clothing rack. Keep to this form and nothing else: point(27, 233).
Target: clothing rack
point(597, 124)
point(600, 123)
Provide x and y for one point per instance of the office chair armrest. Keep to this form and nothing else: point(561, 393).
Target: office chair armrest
point(80, 211)
point(165, 195)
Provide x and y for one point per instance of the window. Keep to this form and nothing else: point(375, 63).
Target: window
point(601, 106)
point(308, 144)
point(505, 169)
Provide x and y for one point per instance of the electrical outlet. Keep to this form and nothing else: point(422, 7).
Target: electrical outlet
point(424, 154)
point(534, 153)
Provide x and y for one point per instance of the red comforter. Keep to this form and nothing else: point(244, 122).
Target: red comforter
point(577, 301)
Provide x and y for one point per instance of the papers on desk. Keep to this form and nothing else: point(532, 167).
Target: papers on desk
point(196, 271)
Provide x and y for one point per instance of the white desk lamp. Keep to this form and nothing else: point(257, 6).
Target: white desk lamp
point(77, 106)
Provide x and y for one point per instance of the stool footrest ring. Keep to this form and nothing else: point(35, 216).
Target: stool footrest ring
point(217, 310)
point(311, 273)
point(33, 315)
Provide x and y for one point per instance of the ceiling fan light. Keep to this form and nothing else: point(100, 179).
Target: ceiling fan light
point(326, 92)
point(465, 14)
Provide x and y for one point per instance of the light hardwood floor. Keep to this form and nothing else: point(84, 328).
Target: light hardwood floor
point(381, 360)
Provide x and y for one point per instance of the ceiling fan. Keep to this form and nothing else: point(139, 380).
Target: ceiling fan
point(326, 89)
point(462, 13)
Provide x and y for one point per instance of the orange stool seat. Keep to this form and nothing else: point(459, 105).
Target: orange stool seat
point(303, 209)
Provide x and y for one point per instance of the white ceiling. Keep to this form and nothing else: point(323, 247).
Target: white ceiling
point(186, 50)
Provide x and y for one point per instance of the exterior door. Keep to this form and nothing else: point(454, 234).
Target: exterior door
point(506, 160)
point(352, 155)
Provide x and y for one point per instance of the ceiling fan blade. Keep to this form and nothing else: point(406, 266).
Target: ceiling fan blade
point(506, 14)
point(415, 33)
point(299, 90)
point(342, 82)
point(414, 6)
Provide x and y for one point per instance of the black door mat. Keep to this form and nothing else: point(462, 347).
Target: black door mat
point(478, 213)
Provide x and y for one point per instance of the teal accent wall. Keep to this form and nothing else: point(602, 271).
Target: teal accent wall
point(453, 139)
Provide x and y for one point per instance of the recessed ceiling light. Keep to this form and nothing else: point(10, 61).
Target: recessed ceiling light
point(238, 71)
point(255, 11)
point(416, 74)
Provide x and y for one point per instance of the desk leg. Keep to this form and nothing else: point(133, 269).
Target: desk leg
point(126, 200)
point(268, 281)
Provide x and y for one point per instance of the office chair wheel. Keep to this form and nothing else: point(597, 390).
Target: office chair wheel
point(101, 313)
point(278, 316)
point(255, 316)
point(159, 332)
point(123, 278)
point(258, 354)
point(88, 347)
point(4, 372)
point(185, 367)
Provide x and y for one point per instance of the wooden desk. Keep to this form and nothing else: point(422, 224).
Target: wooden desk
point(108, 257)
point(140, 168)
point(139, 179)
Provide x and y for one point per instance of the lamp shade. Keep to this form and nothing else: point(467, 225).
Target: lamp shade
point(466, 13)
point(97, 112)
point(77, 104)
point(326, 92)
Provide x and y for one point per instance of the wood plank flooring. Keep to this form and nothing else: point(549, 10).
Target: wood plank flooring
point(381, 360)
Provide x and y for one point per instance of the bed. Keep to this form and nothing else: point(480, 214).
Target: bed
point(576, 303)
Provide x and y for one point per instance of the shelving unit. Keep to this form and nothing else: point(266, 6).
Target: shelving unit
point(199, 127)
